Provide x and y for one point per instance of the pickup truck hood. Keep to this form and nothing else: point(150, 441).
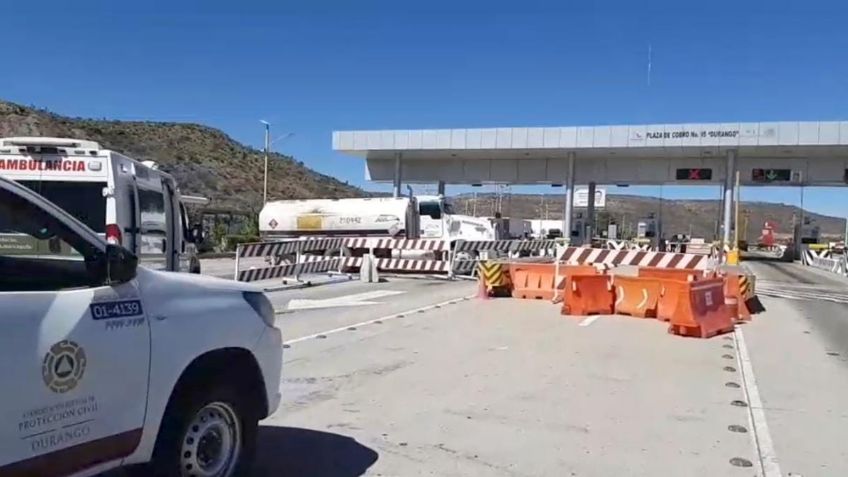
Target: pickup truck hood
point(190, 280)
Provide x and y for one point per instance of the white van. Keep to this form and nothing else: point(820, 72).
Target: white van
point(128, 202)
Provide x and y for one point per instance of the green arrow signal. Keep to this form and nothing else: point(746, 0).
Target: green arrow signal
point(771, 175)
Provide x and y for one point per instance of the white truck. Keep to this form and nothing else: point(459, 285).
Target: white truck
point(104, 364)
point(128, 202)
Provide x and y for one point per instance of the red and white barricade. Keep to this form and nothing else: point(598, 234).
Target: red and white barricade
point(327, 255)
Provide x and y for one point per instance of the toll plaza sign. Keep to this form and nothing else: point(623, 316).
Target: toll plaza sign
point(690, 134)
point(713, 132)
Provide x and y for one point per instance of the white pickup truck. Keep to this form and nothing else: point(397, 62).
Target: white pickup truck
point(105, 364)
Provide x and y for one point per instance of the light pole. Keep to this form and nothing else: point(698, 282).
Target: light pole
point(268, 143)
point(267, 147)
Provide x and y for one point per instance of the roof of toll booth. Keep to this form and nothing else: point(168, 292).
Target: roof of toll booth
point(816, 152)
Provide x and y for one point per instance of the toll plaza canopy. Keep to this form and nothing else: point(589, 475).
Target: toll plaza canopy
point(789, 153)
point(777, 153)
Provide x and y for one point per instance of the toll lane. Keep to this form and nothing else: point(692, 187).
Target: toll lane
point(799, 353)
point(510, 387)
point(307, 311)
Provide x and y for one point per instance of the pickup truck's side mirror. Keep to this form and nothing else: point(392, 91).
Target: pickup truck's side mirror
point(121, 264)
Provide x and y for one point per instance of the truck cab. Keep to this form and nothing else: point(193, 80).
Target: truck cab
point(438, 221)
point(434, 212)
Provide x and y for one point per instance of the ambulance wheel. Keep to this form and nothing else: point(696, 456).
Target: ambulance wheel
point(194, 265)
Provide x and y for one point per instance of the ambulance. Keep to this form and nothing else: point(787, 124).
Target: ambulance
point(130, 203)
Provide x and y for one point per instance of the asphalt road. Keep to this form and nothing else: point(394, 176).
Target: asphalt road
point(499, 387)
point(421, 380)
point(799, 352)
point(306, 311)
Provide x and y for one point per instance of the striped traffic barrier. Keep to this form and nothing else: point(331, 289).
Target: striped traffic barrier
point(468, 253)
point(462, 260)
point(616, 258)
point(287, 270)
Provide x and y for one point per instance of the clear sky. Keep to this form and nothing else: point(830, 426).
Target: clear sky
point(315, 66)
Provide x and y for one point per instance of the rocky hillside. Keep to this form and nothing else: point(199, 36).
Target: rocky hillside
point(205, 161)
point(679, 216)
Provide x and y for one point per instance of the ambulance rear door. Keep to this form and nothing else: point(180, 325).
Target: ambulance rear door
point(155, 243)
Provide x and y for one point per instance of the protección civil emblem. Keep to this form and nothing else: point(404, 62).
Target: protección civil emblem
point(63, 366)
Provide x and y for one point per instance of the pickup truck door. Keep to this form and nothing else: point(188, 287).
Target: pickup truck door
point(74, 354)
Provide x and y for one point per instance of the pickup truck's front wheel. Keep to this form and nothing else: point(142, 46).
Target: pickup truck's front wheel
point(207, 433)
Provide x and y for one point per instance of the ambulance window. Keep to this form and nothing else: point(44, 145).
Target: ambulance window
point(83, 200)
point(154, 228)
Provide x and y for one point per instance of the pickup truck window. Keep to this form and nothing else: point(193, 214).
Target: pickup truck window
point(37, 253)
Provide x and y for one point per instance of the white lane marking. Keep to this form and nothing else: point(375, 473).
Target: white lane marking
point(803, 295)
point(760, 437)
point(588, 321)
point(357, 299)
point(813, 286)
point(383, 319)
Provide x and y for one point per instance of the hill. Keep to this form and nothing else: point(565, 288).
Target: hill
point(204, 160)
point(679, 216)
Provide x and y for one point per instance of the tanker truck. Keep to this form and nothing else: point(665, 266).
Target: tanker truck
point(426, 217)
point(366, 217)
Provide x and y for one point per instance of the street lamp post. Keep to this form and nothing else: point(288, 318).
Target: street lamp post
point(268, 143)
point(267, 147)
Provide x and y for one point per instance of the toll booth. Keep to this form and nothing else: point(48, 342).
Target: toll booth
point(578, 229)
point(647, 229)
point(612, 231)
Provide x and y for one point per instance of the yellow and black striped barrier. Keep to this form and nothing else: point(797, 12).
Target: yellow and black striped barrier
point(494, 274)
point(747, 286)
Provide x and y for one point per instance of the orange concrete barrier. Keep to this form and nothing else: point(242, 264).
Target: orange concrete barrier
point(566, 271)
point(682, 275)
point(636, 296)
point(587, 295)
point(669, 296)
point(701, 310)
point(532, 280)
